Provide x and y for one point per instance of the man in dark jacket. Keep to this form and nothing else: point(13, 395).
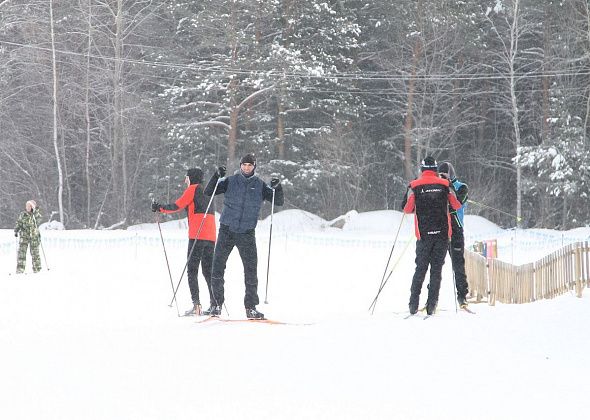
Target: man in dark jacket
point(244, 194)
point(201, 233)
point(447, 171)
point(428, 197)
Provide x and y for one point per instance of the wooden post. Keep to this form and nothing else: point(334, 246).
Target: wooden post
point(578, 279)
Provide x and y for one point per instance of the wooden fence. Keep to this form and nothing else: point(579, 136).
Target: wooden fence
point(567, 269)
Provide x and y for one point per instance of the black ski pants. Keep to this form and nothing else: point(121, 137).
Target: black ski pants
point(203, 255)
point(246, 244)
point(458, 260)
point(430, 252)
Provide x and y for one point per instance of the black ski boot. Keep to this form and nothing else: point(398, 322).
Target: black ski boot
point(430, 308)
point(213, 311)
point(413, 308)
point(252, 313)
point(462, 302)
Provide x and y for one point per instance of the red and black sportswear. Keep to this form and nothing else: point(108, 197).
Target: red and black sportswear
point(428, 198)
point(195, 203)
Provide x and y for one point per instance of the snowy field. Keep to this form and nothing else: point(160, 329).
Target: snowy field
point(93, 337)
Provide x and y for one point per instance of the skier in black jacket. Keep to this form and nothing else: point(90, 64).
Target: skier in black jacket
point(456, 250)
point(244, 194)
point(429, 197)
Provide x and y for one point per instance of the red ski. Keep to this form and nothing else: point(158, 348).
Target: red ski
point(252, 321)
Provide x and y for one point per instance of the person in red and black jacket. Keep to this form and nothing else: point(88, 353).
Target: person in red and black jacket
point(429, 197)
point(195, 203)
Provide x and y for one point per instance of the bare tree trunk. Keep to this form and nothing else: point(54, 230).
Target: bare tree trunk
point(287, 29)
point(235, 110)
point(545, 80)
point(55, 142)
point(544, 210)
point(87, 116)
point(281, 127)
point(67, 186)
point(232, 137)
point(586, 120)
point(515, 111)
point(408, 124)
point(119, 181)
point(564, 214)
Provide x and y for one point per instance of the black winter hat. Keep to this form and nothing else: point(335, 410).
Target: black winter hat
point(447, 169)
point(428, 164)
point(195, 175)
point(249, 158)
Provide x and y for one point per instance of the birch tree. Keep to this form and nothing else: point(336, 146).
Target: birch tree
point(55, 139)
point(510, 23)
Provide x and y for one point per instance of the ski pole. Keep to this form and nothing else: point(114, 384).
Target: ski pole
point(391, 270)
point(40, 242)
point(194, 243)
point(165, 255)
point(518, 219)
point(454, 279)
point(383, 280)
point(272, 208)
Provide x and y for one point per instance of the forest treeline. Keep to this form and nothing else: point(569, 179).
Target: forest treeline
point(104, 104)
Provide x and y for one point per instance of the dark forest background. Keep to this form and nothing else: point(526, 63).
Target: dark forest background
point(104, 104)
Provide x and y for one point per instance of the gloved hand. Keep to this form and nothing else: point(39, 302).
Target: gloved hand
point(221, 171)
point(274, 183)
point(156, 206)
point(16, 233)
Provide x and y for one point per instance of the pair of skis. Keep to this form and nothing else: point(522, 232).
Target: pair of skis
point(207, 318)
point(246, 320)
point(425, 317)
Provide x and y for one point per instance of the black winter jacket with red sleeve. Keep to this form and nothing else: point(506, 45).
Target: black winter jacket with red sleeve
point(428, 198)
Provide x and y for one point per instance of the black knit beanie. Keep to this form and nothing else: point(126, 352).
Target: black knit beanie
point(195, 175)
point(446, 169)
point(249, 158)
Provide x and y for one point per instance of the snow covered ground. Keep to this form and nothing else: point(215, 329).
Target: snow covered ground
point(94, 337)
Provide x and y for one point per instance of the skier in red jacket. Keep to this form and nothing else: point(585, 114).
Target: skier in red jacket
point(429, 197)
point(195, 203)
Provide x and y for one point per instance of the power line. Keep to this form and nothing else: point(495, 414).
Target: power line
point(463, 92)
point(352, 76)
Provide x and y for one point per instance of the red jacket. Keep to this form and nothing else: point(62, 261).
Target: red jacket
point(195, 203)
point(428, 198)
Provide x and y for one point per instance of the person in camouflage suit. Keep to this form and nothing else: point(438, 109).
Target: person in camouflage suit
point(27, 227)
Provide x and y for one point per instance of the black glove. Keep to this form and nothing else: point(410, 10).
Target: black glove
point(16, 234)
point(274, 183)
point(221, 171)
point(156, 206)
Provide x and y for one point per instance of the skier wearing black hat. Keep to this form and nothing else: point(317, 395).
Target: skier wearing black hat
point(244, 194)
point(195, 203)
point(429, 197)
point(447, 171)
